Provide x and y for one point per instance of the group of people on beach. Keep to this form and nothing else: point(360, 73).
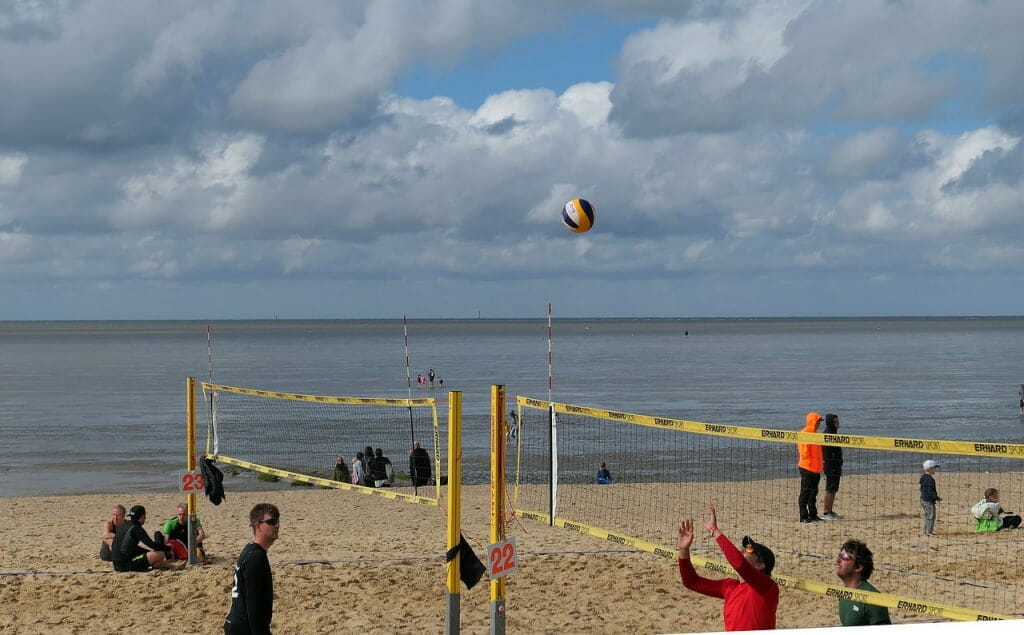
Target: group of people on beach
point(815, 460)
point(129, 547)
point(752, 601)
point(370, 468)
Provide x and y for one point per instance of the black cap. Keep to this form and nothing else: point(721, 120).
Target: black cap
point(764, 553)
point(136, 511)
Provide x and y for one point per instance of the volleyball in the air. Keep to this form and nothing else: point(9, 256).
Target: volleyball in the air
point(578, 215)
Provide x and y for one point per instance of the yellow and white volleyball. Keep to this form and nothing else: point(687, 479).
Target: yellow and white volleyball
point(578, 215)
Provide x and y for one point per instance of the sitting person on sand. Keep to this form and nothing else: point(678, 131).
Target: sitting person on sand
point(603, 476)
point(341, 472)
point(177, 529)
point(126, 553)
point(987, 511)
point(110, 528)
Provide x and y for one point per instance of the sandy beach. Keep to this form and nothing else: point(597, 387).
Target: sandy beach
point(349, 561)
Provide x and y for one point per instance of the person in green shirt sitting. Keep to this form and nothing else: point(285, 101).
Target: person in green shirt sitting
point(177, 529)
point(854, 566)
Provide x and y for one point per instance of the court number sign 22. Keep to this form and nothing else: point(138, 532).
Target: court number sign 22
point(501, 558)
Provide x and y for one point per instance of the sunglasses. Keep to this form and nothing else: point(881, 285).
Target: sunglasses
point(273, 522)
point(844, 556)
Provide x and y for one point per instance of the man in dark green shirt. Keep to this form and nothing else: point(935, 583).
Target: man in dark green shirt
point(854, 566)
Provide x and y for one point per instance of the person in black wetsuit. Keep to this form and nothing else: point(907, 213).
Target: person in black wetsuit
point(252, 592)
point(127, 555)
point(419, 465)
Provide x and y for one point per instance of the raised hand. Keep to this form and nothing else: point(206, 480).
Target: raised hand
point(711, 524)
point(685, 537)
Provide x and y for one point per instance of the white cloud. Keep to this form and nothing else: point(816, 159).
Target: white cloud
point(797, 140)
point(589, 103)
point(12, 166)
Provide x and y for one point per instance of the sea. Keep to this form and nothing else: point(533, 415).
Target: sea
point(99, 406)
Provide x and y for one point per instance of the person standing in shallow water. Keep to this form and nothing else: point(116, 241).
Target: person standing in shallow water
point(833, 458)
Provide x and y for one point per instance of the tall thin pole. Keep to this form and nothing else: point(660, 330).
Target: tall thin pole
point(452, 615)
point(550, 383)
point(211, 425)
point(552, 439)
point(497, 609)
point(209, 354)
point(408, 384)
point(190, 463)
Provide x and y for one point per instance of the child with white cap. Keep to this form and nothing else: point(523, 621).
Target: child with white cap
point(929, 495)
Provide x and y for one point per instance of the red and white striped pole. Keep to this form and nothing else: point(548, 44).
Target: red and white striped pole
point(549, 353)
point(209, 354)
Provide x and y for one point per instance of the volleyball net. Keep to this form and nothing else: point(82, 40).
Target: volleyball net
point(298, 437)
point(666, 469)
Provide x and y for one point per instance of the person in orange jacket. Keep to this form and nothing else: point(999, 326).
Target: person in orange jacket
point(811, 465)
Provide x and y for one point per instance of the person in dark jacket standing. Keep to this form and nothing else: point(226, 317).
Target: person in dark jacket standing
point(833, 456)
point(419, 465)
point(252, 592)
point(380, 466)
point(341, 473)
point(929, 495)
point(367, 473)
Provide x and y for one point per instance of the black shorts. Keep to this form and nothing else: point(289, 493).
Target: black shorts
point(832, 483)
point(138, 563)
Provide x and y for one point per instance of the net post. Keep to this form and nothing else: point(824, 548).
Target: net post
point(452, 615)
point(552, 463)
point(497, 612)
point(190, 463)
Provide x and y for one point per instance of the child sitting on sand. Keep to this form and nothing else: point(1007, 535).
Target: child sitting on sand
point(987, 511)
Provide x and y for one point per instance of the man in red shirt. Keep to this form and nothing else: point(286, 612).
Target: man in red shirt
point(750, 602)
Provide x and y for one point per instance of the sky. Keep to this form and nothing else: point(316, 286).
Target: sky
point(233, 159)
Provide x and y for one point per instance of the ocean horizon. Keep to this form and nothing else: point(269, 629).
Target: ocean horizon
point(98, 405)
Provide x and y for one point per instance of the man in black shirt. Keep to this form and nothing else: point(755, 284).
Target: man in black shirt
point(127, 555)
point(380, 469)
point(419, 465)
point(252, 593)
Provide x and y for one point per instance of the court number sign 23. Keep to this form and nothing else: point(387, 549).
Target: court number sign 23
point(190, 482)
